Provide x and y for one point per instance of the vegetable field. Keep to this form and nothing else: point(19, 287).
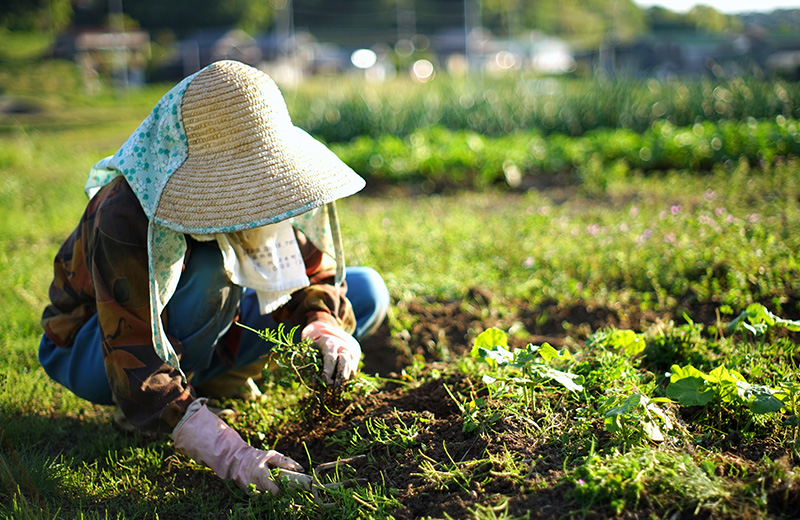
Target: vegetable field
point(595, 303)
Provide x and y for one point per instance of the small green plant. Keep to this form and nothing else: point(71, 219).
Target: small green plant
point(675, 481)
point(636, 417)
point(628, 410)
point(395, 434)
point(757, 319)
point(521, 368)
point(624, 341)
point(692, 387)
point(477, 413)
point(290, 363)
point(466, 474)
point(790, 395)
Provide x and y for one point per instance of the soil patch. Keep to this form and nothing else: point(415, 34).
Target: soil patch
point(436, 440)
point(435, 468)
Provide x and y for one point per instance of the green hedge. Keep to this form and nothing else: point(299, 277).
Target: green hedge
point(468, 159)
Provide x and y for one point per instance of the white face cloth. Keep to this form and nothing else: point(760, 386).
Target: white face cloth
point(266, 259)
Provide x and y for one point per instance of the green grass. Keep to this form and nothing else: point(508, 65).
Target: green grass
point(665, 243)
point(658, 242)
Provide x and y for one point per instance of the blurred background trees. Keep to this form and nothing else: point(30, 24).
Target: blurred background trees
point(296, 38)
point(585, 21)
point(35, 15)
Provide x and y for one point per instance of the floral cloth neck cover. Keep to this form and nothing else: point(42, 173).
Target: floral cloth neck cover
point(150, 155)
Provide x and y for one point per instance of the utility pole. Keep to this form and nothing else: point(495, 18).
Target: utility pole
point(472, 21)
point(406, 19)
point(120, 48)
point(286, 34)
point(286, 21)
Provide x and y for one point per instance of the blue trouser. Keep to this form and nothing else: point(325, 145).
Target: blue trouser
point(198, 314)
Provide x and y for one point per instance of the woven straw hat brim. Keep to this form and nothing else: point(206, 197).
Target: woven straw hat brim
point(266, 189)
point(247, 165)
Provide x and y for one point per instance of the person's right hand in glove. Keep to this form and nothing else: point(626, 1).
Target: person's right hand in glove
point(341, 352)
point(206, 438)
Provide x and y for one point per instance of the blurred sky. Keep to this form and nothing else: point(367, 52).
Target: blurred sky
point(726, 6)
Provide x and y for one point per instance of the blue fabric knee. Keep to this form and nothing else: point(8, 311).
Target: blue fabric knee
point(199, 313)
point(369, 296)
point(80, 368)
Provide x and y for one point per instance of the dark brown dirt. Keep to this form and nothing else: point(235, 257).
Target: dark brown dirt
point(454, 324)
point(437, 420)
point(440, 438)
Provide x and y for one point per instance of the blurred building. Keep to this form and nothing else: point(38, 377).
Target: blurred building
point(460, 46)
point(481, 51)
point(123, 56)
point(692, 54)
point(207, 46)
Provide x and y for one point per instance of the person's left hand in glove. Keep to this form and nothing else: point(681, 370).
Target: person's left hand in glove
point(341, 352)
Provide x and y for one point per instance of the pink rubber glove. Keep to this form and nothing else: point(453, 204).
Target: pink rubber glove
point(341, 352)
point(206, 438)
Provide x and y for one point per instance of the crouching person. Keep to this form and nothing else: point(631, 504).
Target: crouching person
point(216, 210)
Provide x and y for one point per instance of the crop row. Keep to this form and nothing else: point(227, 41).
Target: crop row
point(468, 159)
point(339, 111)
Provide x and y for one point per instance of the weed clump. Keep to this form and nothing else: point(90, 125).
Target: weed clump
point(666, 479)
point(296, 364)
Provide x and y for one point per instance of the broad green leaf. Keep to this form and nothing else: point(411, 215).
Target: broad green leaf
point(652, 430)
point(628, 341)
point(757, 319)
point(792, 325)
point(765, 404)
point(792, 421)
point(634, 402)
point(496, 356)
point(756, 328)
point(678, 373)
point(488, 380)
point(612, 423)
point(525, 357)
point(728, 390)
point(757, 313)
point(565, 379)
point(489, 339)
point(690, 391)
point(761, 399)
point(723, 375)
point(652, 408)
point(661, 400)
point(729, 383)
point(549, 353)
point(741, 322)
point(630, 403)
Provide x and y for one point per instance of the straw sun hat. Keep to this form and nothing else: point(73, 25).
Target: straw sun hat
point(218, 154)
point(246, 163)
